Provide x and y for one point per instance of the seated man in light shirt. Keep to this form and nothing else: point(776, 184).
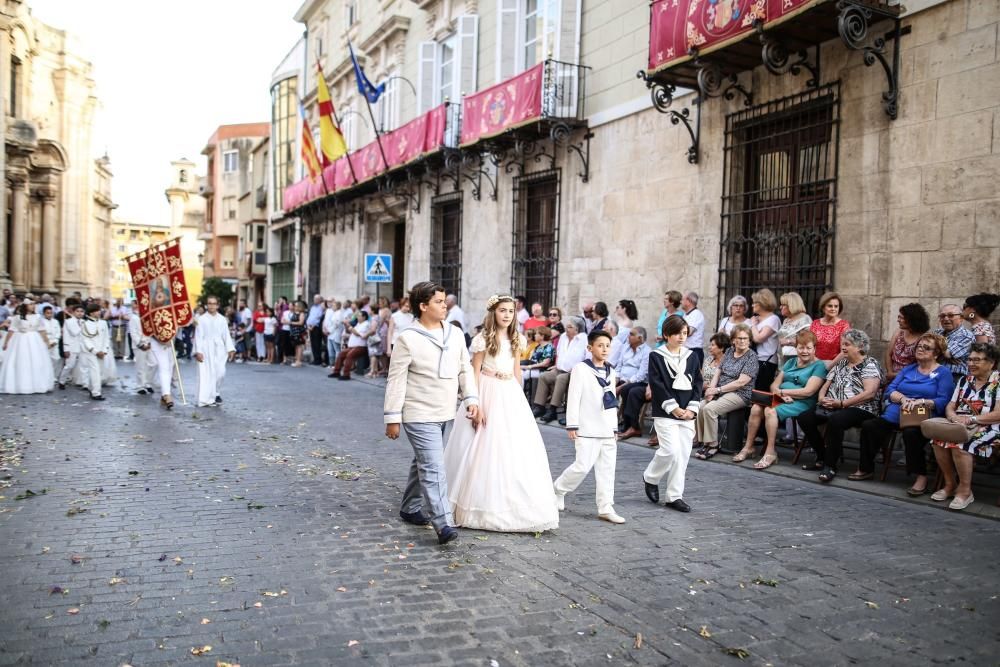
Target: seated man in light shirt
point(632, 372)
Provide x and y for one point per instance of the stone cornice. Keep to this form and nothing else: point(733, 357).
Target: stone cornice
point(392, 26)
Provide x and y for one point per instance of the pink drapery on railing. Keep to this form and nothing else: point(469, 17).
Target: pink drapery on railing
point(503, 106)
point(422, 135)
point(678, 26)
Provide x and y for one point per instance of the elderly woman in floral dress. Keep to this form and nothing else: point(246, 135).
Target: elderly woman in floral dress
point(974, 405)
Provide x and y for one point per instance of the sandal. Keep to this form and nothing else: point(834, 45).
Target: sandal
point(743, 455)
point(818, 465)
point(654, 441)
point(765, 462)
point(827, 475)
point(859, 475)
point(166, 402)
point(705, 453)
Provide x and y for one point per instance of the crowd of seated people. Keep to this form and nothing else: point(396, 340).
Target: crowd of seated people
point(772, 364)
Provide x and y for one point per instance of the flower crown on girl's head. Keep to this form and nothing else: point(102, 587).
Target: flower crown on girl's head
point(497, 298)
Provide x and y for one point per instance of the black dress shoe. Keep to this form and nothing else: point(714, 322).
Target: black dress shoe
point(679, 505)
point(416, 518)
point(549, 416)
point(652, 492)
point(97, 397)
point(447, 534)
point(538, 410)
point(142, 391)
point(218, 400)
point(562, 421)
point(62, 385)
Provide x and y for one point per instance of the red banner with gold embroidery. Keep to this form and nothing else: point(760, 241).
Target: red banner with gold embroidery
point(160, 290)
point(678, 26)
point(500, 107)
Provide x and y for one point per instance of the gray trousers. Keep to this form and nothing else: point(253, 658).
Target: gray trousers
point(427, 485)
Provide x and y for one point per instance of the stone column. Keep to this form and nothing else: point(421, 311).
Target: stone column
point(50, 234)
point(19, 230)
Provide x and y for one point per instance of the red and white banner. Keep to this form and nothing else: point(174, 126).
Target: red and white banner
point(160, 290)
point(677, 26)
point(500, 107)
point(420, 136)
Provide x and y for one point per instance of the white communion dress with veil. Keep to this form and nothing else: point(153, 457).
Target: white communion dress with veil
point(498, 474)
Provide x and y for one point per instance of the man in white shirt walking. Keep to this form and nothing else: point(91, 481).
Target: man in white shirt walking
point(429, 364)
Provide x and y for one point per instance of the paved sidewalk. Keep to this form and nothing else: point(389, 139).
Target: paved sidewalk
point(267, 530)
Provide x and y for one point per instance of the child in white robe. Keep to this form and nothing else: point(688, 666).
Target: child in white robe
point(213, 346)
point(144, 361)
point(72, 338)
point(95, 345)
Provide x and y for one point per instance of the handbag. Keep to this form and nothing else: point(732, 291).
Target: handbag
point(915, 417)
point(764, 398)
point(939, 428)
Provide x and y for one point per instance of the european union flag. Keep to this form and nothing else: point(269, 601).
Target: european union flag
point(365, 86)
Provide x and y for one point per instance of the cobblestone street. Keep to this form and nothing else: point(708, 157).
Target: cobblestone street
point(265, 532)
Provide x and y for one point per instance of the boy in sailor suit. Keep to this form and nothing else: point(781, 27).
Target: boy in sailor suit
point(591, 422)
point(95, 344)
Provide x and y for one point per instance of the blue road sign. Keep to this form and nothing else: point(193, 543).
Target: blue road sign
point(378, 267)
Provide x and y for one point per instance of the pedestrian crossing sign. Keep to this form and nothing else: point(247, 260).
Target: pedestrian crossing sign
point(378, 267)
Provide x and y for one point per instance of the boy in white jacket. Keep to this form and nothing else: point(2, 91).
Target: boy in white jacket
point(71, 337)
point(144, 361)
point(94, 346)
point(591, 422)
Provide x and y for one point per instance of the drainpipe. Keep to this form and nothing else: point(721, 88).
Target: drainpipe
point(297, 240)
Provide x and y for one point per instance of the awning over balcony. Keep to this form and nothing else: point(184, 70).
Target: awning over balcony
point(422, 135)
point(685, 35)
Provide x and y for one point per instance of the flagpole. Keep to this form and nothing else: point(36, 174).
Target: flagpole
point(371, 114)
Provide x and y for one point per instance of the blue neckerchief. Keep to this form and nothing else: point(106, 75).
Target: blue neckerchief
point(610, 400)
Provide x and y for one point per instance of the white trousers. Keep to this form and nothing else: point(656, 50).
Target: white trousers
point(68, 367)
point(56, 367)
point(671, 459)
point(258, 339)
point(144, 364)
point(164, 360)
point(601, 455)
point(90, 372)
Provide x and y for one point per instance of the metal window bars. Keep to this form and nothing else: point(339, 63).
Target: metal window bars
point(535, 239)
point(779, 197)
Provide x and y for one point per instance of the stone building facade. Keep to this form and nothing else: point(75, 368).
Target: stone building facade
point(187, 220)
point(56, 198)
point(794, 186)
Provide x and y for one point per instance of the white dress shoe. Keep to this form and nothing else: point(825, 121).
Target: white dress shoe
point(957, 504)
point(938, 496)
point(611, 517)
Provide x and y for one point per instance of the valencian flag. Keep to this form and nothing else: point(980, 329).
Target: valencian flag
point(330, 139)
point(310, 158)
point(160, 290)
point(365, 86)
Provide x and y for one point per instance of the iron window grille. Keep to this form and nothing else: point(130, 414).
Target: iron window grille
point(535, 244)
point(779, 197)
point(446, 242)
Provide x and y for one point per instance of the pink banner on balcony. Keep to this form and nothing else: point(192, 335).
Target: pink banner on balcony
point(418, 137)
point(501, 107)
point(678, 26)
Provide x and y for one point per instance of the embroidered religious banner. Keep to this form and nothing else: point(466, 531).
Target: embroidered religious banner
point(503, 106)
point(160, 290)
point(679, 28)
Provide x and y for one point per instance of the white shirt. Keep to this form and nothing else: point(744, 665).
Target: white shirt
point(456, 314)
point(768, 350)
point(522, 317)
point(330, 318)
point(401, 321)
point(356, 339)
point(585, 409)
point(269, 324)
point(570, 352)
point(696, 329)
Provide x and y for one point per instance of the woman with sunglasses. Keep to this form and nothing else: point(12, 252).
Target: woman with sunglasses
point(924, 384)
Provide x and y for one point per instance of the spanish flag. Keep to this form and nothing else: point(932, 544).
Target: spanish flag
point(330, 138)
point(310, 158)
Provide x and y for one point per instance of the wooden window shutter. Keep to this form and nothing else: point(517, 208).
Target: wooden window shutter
point(427, 64)
point(508, 12)
point(467, 57)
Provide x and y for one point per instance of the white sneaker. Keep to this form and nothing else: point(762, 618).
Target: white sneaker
point(560, 501)
point(957, 504)
point(611, 517)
